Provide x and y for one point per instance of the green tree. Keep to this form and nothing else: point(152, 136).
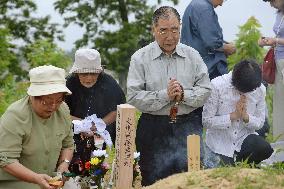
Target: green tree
point(248, 48)
point(246, 44)
point(6, 56)
point(44, 52)
point(41, 52)
point(114, 28)
point(16, 15)
point(10, 92)
point(25, 28)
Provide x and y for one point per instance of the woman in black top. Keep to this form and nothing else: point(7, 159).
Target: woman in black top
point(93, 92)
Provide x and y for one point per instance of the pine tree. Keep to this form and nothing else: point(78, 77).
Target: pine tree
point(246, 44)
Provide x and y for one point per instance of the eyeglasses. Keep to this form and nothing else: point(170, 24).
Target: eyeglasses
point(51, 102)
point(174, 31)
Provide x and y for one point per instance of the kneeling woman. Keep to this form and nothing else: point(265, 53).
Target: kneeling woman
point(232, 114)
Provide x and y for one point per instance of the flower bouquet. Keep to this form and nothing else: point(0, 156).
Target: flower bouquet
point(93, 171)
point(136, 170)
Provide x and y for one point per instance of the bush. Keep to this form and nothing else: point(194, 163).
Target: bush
point(10, 93)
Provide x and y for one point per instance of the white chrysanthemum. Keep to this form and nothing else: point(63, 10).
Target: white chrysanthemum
point(99, 153)
point(136, 155)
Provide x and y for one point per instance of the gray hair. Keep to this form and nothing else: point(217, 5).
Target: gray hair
point(164, 12)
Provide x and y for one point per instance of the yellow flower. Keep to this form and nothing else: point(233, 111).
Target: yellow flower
point(95, 161)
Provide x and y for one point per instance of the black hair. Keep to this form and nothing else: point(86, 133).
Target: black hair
point(164, 12)
point(246, 76)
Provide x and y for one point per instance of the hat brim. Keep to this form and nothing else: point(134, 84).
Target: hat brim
point(40, 90)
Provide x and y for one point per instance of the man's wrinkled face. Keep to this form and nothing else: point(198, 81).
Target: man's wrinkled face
point(167, 33)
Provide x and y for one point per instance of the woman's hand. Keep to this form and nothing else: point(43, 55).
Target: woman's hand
point(42, 181)
point(92, 131)
point(262, 42)
point(244, 114)
point(240, 112)
point(63, 167)
point(88, 134)
point(267, 41)
point(237, 113)
point(21, 172)
point(93, 128)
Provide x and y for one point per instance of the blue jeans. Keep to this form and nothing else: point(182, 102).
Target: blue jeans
point(163, 145)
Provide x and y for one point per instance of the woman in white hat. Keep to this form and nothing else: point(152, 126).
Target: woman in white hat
point(36, 133)
point(93, 92)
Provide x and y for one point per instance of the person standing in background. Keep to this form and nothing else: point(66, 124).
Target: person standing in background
point(278, 43)
point(201, 30)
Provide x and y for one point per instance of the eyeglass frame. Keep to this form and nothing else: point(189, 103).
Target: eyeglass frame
point(173, 31)
point(54, 102)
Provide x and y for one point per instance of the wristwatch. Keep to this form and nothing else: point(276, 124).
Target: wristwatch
point(66, 161)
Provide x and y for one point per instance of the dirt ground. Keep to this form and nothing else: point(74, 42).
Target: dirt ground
point(223, 178)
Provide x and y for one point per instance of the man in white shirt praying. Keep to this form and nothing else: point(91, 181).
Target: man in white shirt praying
point(232, 114)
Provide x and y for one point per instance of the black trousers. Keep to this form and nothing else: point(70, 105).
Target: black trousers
point(163, 145)
point(215, 73)
point(264, 130)
point(254, 149)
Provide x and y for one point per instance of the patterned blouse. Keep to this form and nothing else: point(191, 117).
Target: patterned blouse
point(224, 136)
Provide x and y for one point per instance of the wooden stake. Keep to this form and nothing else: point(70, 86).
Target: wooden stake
point(124, 146)
point(193, 152)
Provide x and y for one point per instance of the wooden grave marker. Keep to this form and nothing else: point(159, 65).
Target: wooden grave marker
point(124, 149)
point(193, 152)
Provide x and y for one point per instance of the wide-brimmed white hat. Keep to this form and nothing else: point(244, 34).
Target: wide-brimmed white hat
point(47, 80)
point(87, 61)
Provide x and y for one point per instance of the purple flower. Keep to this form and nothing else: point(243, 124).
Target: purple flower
point(105, 166)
